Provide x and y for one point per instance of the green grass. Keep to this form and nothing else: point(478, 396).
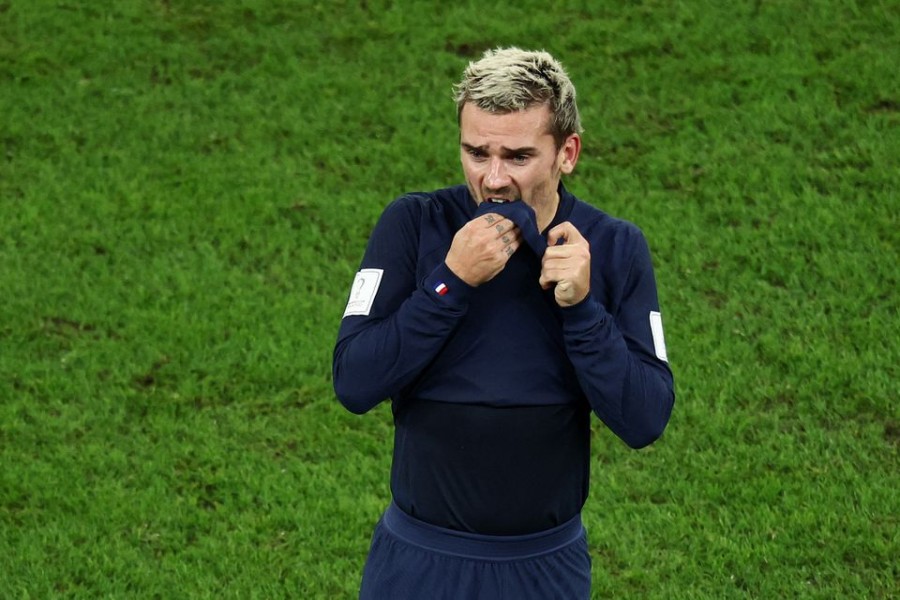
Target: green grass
point(185, 192)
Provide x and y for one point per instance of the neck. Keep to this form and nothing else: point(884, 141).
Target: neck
point(546, 211)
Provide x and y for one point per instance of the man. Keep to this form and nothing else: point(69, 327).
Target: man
point(497, 316)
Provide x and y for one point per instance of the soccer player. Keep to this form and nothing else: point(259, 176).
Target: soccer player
point(497, 316)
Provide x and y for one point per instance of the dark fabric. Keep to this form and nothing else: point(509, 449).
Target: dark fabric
point(410, 559)
point(499, 471)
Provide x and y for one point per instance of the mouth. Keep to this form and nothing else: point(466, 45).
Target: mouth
point(496, 200)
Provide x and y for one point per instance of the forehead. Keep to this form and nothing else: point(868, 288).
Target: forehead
point(517, 129)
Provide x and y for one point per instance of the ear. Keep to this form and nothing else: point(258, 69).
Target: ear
point(569, 153)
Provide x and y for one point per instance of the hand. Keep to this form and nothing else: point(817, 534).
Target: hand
point(481, 248)
point(567, 265)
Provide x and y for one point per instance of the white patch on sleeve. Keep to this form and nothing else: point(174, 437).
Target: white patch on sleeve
point(659, 341)
point(362, 294)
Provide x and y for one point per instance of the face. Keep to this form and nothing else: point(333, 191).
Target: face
point(513, 155)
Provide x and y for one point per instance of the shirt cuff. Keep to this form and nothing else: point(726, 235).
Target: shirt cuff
point(446, 288)
point(584, 315)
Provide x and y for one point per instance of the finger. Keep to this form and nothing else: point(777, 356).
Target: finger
point(506, 227)
point(550, 277)
point(553, 274)
point(554, 237)
point(493, 219)
point(554, 266)
point(500, 225)
point(510, 236)
point(565, 232)
point(511, 248)
point(556, 253)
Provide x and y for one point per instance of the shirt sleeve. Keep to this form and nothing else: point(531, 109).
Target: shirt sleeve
point(618, 351)
point(398, 328)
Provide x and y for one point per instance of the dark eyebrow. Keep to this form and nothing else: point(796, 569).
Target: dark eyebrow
point(470, 147)
point(530, 150)
point(519, 151)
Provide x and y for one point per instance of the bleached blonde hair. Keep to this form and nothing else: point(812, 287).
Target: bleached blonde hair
point(506, 80)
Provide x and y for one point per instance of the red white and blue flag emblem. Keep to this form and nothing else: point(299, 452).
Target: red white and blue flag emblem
point(441, 289)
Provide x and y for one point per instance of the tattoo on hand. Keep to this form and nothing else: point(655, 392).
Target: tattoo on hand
point(509, 251)
point(490, 219)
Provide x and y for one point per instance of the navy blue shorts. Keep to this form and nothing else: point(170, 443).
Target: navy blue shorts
point(413, 559)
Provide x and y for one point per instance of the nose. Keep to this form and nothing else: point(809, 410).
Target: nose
point(496, 177)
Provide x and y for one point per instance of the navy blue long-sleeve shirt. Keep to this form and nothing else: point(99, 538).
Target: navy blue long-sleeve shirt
point(492, 385)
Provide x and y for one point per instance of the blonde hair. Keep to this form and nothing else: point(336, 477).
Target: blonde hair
point(506, 80)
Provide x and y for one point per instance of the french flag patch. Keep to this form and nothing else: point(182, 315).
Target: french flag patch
point(441, 289)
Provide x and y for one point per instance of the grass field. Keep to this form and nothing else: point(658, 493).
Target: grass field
point(186, 188)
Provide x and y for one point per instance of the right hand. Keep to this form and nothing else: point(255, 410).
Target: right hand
point(481, 248)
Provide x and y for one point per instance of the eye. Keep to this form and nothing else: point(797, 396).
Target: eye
point(476, 154)
point(520, 159)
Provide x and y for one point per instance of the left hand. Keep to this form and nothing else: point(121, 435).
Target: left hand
point(567, 265)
